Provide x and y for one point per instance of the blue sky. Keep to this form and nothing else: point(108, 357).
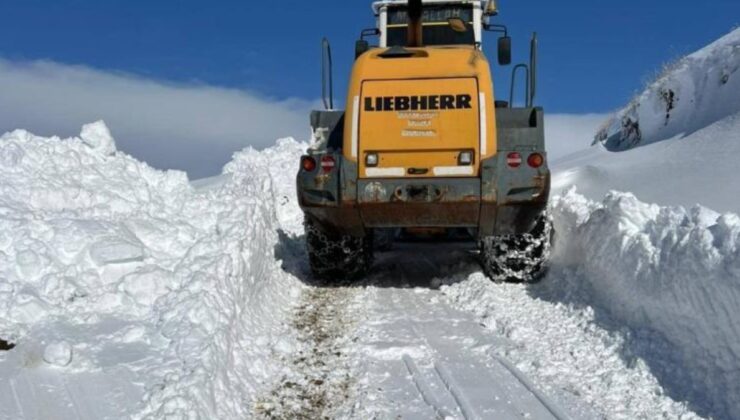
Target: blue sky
point(184, 84)
point(594, 54)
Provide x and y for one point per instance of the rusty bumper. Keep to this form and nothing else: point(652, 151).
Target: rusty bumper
point(500, 201)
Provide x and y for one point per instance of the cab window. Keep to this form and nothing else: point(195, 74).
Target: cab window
point(436, 28)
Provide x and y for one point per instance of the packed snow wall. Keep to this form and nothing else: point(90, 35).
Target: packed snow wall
point(93, 240)
point(672, 277)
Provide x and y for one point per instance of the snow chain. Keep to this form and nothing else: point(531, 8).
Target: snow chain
point(519, 258)
point(337, 257)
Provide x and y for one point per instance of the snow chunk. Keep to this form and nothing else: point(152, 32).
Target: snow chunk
point(98, 137)
point(116, 251)
point(11, 154)
point(5, 287)
point(58, 354)
point(28, 309)
point(671, 276)
point(29, 263)
point(147, 285)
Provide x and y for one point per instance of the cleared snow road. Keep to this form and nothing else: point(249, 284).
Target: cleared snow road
point(428, 336)
point(393, 347)
point(424, 358)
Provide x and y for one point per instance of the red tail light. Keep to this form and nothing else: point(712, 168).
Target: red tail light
point(308, 163)
point(328, 163)
point(514, 159)
point(535, 160)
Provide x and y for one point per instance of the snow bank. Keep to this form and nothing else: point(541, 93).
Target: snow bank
point(563, 349)
point(672, 277)
point(92, 240)
point(637, 317)
point(693, 93)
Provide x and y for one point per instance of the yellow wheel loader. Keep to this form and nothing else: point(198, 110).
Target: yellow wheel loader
point(425, 144)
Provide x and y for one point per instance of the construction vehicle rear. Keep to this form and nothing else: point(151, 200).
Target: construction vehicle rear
point(425, 145)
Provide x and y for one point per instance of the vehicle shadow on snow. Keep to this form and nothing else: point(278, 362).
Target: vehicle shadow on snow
point(418, 264)
point(563, 285)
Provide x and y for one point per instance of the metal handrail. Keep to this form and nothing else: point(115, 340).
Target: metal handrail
point(514, 71)
point(530, 73)
point(533, 67)
point(327, 77)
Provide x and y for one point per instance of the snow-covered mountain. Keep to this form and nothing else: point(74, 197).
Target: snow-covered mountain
point(678, 142)
point(690, 94)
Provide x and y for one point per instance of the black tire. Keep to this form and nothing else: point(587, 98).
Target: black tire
point(337, 257)
point(519, 258)
point(383, 239)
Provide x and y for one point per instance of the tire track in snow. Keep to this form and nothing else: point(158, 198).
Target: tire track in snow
point(318, 381)
point(427, 394)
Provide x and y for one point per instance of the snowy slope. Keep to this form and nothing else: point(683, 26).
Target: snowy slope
point(129, 293)
point(698, 90)
point(680, 151)
point(698, 169)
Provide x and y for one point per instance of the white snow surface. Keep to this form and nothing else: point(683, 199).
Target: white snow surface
point(670, 276)
point(674, 144)
point(692, 93)
point(148, 297)
point(697, 169)
point(666, 275)
point(59, 354)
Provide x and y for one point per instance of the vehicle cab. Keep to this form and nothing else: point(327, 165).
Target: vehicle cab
point(392, 22)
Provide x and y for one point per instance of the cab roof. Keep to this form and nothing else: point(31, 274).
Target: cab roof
point(378, 4)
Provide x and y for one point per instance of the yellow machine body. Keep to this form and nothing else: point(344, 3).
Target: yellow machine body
point(419, 113)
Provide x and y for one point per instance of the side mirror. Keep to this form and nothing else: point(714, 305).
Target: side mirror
point(361, 47)
point(504, 50)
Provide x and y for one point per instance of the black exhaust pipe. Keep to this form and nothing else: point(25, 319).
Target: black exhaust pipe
point(415, 34)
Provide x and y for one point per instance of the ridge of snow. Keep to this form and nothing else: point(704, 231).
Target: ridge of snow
point(97, 136)
point(696, 91)
point(121, 262)
point(670, 275)
point(640, 304)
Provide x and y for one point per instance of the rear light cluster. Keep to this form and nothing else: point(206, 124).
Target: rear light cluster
point(465, 158)
point(534, 160)
point(514, 159)
point(371, 159)
point(327, 163)
point(308, 163)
